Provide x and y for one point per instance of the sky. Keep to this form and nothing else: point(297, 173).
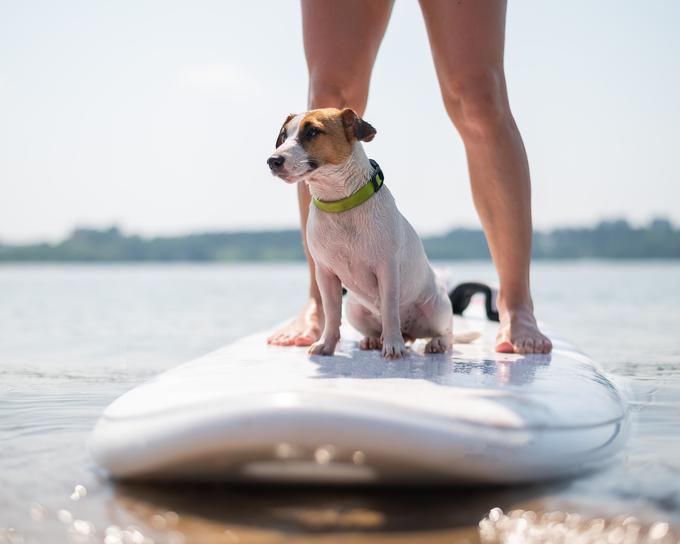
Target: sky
point(158, 115)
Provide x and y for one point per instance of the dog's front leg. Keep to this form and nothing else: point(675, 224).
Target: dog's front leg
point(393, 346)
point(331, 298)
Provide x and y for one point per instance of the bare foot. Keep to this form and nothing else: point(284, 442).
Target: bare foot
point(519, 333)
point(303, 330)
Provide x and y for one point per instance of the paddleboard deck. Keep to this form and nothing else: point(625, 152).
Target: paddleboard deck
point(253, 412)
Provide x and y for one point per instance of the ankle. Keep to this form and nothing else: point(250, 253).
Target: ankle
point(517, 303)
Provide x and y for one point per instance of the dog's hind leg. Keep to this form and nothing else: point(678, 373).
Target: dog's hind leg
point(363, 320)
point(441, 323)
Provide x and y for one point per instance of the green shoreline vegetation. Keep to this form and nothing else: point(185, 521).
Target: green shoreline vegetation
point(615, 239)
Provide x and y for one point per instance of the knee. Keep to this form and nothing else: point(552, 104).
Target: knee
point(477, 102)
point(337, 91)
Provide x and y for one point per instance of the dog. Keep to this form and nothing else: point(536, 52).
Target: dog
point(359, 239)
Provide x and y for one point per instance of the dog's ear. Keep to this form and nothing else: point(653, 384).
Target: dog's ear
point(282, 133)
point(355, 127)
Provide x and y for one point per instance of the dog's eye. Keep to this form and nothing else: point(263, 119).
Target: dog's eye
point(281, 138)
point(313, 131)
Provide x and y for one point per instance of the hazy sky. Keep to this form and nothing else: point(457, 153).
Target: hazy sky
point(159, 115)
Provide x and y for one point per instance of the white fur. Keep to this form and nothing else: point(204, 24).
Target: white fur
point(293, 152)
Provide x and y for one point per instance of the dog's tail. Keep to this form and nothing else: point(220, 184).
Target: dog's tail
point(466, 337)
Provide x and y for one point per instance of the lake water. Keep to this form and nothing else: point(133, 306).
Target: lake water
point(72, 338)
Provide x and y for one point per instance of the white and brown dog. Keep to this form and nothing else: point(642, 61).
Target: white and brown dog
point(359, 239)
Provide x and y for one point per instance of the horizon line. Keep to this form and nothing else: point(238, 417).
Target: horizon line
point(125, 232)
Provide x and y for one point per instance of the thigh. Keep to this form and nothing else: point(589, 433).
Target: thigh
point(362, 319)
point(466, 37)
point(341, 40)
point(431, 318)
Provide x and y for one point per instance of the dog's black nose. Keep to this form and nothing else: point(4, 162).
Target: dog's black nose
point(275, 161)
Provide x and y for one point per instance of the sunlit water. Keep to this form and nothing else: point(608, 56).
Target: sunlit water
point(72, 338)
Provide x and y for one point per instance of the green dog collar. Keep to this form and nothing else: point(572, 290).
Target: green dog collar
point(356, 198)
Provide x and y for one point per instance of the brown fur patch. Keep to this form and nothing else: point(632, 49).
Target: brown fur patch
point(330, 145)
point(282, 133)
point(355, 127)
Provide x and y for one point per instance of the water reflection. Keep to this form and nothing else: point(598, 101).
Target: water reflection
point(421, 514)
point(442, 369)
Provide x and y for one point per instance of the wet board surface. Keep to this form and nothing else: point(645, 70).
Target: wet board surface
point(253, 412)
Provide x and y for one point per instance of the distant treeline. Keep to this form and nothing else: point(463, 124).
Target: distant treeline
point(607, 240)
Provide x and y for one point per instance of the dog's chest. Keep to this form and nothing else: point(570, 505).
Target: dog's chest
point(342, 254)
point(346, 248)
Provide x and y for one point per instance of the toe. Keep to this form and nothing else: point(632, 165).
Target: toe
point(518, 346)
point(539, 345)
point(285, 340)
point(547, 345)
point(275, 340)
point(291, 340)
point(304, 340)
point(505, 347)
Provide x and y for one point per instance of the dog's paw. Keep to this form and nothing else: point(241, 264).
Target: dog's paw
point(370, 343)
point(438, 344)
point(321, 347)
point(395, 349)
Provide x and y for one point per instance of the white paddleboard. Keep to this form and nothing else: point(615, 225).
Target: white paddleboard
point(253, 412)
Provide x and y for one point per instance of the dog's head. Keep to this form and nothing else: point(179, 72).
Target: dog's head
point(314, 139)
